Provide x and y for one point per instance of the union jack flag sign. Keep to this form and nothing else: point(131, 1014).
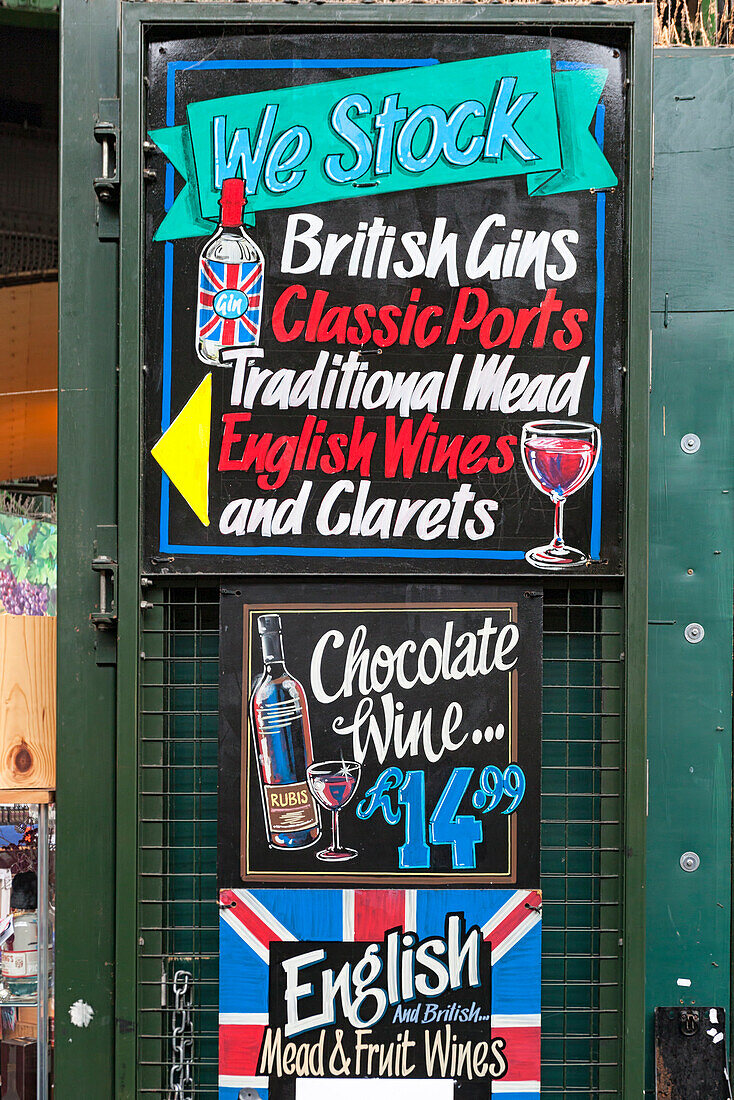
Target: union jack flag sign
point(229, 302)
point(251, 921)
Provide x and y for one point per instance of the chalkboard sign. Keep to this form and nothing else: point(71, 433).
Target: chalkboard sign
point(385, 302)
point(383, 735)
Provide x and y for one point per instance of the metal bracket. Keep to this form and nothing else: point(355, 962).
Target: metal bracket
point(104, 618)
point(690, 1055)
point(689, 1021)
point(107, 184)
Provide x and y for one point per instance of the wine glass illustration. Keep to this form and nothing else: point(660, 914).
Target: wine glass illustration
point(560, 457)
point(332, 783)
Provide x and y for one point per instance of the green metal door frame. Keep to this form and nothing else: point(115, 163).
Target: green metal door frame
point(90, 433)
point(86, 779)
point(638, 22)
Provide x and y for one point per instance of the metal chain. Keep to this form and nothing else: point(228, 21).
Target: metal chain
point(181, 1080)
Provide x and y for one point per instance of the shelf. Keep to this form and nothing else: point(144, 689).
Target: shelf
point(30, 797)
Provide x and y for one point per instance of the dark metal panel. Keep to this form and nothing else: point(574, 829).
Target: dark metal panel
point(87, 478)
point(690, 1054)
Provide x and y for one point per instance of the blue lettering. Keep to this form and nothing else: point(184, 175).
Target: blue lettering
point(437, 119)
point(230, 304)
point(378, 797)
point(344, 127)
point(385, 123)
point(240, 153)
point(279, 160)
point(452, 153)
point(502, 123)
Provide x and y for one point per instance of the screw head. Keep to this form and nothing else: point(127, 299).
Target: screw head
point(690, 861)
point(694, 633)
point(690, 443)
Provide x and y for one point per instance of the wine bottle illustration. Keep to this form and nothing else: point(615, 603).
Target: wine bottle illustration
point(231, 271)
point(282, 739)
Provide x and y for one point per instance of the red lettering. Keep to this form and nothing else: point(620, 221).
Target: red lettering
point(448, 452)
point(505, 443)
point(524, 317)
point(571, 319)
point(333, 325)
point(507, 321)
point(361, 448)
point(548, 306)
point(318, 439)
point(306, 433)
point(472, 459)
point(402, 446)
point(422, 338)
point(362, 331)
point(388, 336)
point(229, 438)
point(460, 322)
point(409, 317)
point(320, 299)
point(280, 332)
point(336, 461)
point(278, 461)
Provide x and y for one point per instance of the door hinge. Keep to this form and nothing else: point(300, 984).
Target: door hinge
point(104, 616)
point(107, 184)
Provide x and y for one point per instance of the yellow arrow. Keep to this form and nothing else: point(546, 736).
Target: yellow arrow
point(182, 452)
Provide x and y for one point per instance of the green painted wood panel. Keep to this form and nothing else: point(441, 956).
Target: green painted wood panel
point(693, 230)
point(691, 529)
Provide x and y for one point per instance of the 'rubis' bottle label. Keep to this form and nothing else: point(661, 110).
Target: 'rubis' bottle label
point(282, 741)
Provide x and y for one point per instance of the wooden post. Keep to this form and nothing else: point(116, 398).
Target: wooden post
point(27, 702)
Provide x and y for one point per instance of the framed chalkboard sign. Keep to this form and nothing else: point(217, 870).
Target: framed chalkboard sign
point(385, 301)
point(382, 735)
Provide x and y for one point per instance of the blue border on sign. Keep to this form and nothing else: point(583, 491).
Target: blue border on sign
point(308, 552)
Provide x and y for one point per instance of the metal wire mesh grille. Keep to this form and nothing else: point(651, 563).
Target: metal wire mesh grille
point(29, 232)
point(581, 837)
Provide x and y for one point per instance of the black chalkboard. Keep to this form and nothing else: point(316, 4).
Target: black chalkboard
point(413, 710)
point(383, 425)
point(469, 1009)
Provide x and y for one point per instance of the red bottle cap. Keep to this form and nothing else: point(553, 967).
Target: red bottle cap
point(232, 203)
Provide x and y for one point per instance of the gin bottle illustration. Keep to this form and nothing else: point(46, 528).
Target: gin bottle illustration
point(231, 269)
point(282, 738)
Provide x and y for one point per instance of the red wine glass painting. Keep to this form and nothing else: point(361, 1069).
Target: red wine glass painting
point(333, 783)
point(559, 456)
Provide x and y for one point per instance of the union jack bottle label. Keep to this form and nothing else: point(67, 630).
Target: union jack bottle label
point(230, 302)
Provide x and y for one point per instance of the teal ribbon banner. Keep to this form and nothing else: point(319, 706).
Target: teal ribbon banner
point(458, 122)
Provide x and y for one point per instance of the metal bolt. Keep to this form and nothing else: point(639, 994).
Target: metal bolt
point(690, 861)
point(690, 443)
point(694, 632)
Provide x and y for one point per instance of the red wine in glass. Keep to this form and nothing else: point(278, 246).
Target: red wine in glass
point(559, 457)
point(332, 783)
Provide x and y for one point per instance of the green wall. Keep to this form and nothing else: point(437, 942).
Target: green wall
point(691, 528)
